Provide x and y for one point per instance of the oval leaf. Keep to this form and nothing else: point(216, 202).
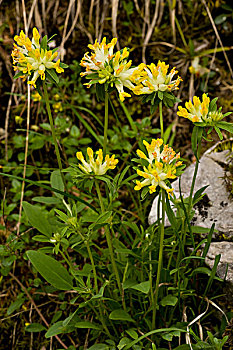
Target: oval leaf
point(37, 219)
point(120, 315)
point(35, 327)
point(52, 270)
point(169, 300)
point(143, 287)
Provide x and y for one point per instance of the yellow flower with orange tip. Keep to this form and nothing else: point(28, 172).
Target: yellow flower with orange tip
point(162, 165)
point(206, 115)
point(202, 111)
point(98, 166)
point(105, 67)
point(154, 78)
point(31, 59)
point(195, 111)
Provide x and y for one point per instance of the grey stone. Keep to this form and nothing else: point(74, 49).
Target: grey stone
point(216, 207)
point(226, 250)
point(225, 264)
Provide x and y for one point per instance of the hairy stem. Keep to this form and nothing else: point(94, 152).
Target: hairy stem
point(53, 130)
point(105, 122)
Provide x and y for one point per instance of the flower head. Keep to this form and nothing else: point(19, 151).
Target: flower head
point(155, 78)
point(199, 111)
point(162, 165)
point(98, 166)
point(104, 66)
point(31, 59)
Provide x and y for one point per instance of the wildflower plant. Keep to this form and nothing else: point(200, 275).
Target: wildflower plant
point(34, 59)
point(108, 70)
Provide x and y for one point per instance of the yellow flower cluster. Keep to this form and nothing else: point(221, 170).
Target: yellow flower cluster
point(104, 66)
point(31, 59)
point(163, 163)
point(96, 166)
point(198, 111)
point(152, 78)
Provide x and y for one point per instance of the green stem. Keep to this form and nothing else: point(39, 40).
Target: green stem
point(86, 242)
point(191, 196)
point(66, 260)
point(109, 242)
point(160, 260)
point(194, 177)
point(105, 122)
point(128, 116)
point(154, 308)
point(161, 117)
point(93, 266)
point(53, 130)
point(96, 288)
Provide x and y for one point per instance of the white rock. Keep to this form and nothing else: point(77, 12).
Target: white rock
point(216, 207)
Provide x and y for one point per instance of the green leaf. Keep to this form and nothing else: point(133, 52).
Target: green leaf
point(15, 306)
point(160, 330)
point(87, 324)
point(102, 220)
point(37, 219)
point(57, 182)
point(213, 105)
point(99, 346)
point(167, 336)
point(35, 327)
point(74, 131)
point(171, 215)
point(120, 315)
point(41, 238)
point(209, 238)
point(205, 271)
point(169, 300)
point(51, 73)
point(143, 287)
point(225, 126)
point(218, 132)
point(52, 270)
point(63, 65)
point(18, 75)
point(160, 95)
point(43, 43)
point(56, 328)
point(198, 195)
point(46, 200)
point(132, 333)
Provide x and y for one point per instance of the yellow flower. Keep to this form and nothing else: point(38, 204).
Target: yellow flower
point(33, 60)
point(36, 96)
point(104, 66)
point(162, 165)
point(98, 166)
point(154, 78)
point(196, 111)
point(57, 107)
